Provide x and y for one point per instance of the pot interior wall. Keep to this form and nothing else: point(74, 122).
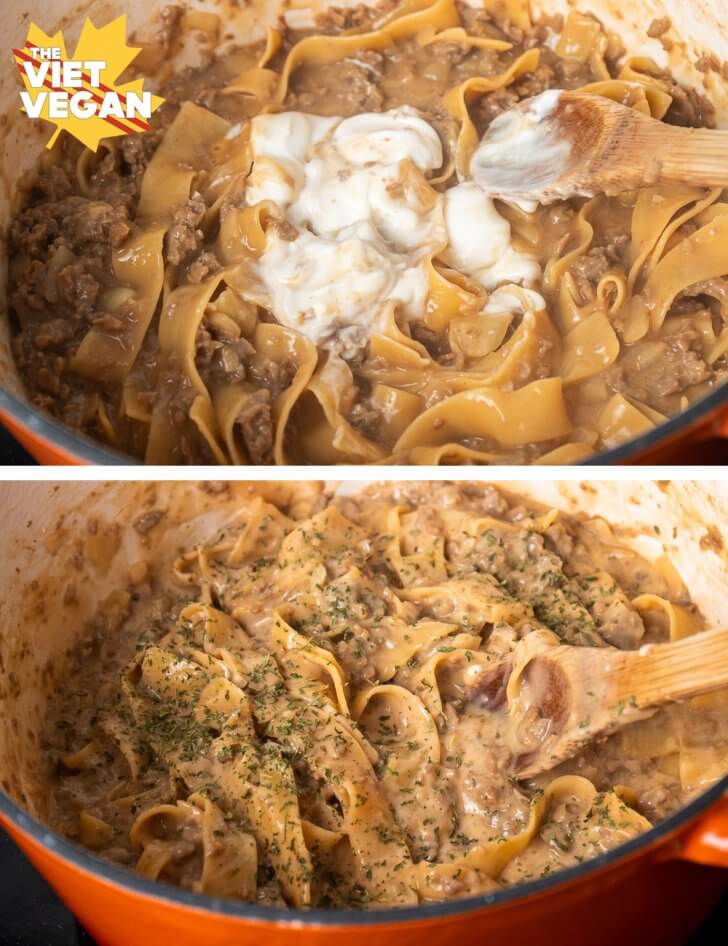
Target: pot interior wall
point(67, 546)
point(699, 24)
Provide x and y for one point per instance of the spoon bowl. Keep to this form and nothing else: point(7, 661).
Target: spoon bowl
point(562, 144)
point(589, 692)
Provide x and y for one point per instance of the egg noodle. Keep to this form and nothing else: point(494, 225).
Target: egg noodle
point(321, 705)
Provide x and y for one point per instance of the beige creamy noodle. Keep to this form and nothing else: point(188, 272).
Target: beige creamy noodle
point(324, 704)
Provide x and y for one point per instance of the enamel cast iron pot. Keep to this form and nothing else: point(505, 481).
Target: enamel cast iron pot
point(653, 890)
point(699, 24)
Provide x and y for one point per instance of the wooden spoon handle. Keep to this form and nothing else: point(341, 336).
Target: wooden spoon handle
point(693, 156)
point(676, 671)
point(616, 149)
point(609, 690)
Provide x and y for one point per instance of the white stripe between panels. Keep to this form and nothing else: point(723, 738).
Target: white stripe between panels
point(359, 473)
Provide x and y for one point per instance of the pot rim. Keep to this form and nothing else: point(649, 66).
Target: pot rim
point(691, 416)
point(42, 426)
point(134, 883)
point(83, 448)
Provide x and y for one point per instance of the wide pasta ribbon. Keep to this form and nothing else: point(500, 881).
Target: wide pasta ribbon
point(302, 652)
point(414, 725)
point(700, 256)
point(178, 326)
point(583, 40)
point(253, 779)
point(471, 602)
point(404, 732)
point(325, 49)
point(229, 855)
point(486, 361)
point(139, 268)
point(531, 414)
point(281, 346)
point(138, 265)
point(331, 438)
point(259, 81)
point(700, 763)
point(383, 865)
point(655, 218)
point(457, 100)
point(450, 296)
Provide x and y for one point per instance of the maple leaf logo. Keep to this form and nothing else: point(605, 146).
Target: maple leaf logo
point(95, 106)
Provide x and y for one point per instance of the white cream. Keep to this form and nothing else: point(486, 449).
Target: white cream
point(521, 145)
point(288, 136)
point(513, 299)
point(333, 174)
point(479, 240)
point(355, 191)
point(365, 225)
point(387, 138)
point(336, 291)
point(279, 145)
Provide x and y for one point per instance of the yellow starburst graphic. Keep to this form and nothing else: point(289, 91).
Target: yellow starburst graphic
point(79, 93)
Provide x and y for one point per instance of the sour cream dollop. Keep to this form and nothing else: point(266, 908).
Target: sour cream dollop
point(335, 291)
point(366, 220)
point(521, 145)
point(479, 239)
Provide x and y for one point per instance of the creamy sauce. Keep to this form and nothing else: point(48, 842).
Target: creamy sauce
point(323, 703)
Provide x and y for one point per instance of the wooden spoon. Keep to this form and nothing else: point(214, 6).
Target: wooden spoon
point(585, 692)
point(567, 144)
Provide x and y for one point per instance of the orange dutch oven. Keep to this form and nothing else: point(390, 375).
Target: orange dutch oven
point(53, 444)
point(653, 890)
point(700, 26)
